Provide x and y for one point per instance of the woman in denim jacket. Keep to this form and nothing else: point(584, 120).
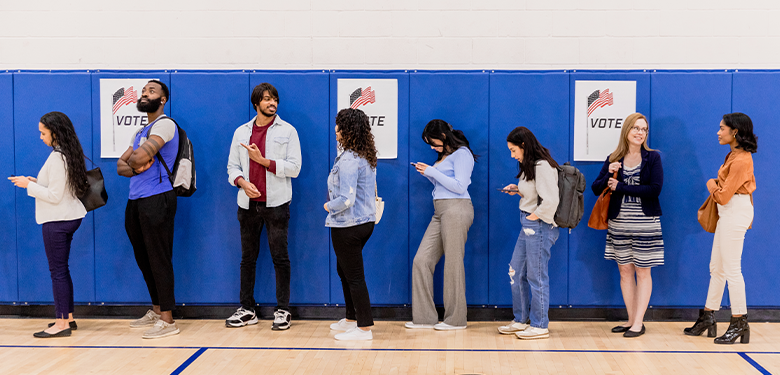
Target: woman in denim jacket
point(351, 217)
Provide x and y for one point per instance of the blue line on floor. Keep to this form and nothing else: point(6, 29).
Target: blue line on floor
point(385, 349)
point(754, 363)
point(189, 361)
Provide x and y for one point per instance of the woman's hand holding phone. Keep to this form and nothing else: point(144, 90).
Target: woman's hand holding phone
point(511, 189)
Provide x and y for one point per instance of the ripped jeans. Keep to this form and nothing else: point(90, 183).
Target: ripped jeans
point(528, 271)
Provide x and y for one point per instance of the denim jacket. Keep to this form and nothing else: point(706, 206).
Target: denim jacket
point(351, 188)
point(281, 145)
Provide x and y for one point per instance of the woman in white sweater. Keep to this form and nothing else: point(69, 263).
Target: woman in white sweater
point(62, 179)
point(538, 189)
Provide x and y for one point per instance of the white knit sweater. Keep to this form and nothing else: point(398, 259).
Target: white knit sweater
point(54, 200)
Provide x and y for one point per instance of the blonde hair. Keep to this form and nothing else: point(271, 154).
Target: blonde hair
point(622, 147)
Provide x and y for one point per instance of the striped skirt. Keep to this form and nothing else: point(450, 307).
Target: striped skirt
point(635, 238)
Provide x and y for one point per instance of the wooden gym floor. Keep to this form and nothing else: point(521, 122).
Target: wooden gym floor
point(102, 346)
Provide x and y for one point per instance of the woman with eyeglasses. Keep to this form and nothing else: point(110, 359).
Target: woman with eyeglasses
point(634, 238)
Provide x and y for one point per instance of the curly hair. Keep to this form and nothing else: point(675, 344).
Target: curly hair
point(66, 142)
point(356, 134)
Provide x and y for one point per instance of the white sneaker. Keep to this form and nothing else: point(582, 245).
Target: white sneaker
point(446, 327)
point(282, 319)
point(241, 317)
point(512, 327)
point(355, 334)
point(532, 333)
point(412, 325)
point(161, 329)
point(343, 325)
point(149, 319)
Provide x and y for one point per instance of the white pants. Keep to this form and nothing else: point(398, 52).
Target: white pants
point(726, 262)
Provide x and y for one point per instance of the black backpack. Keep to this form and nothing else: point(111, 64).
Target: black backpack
point(183, 175)
point(571, 185)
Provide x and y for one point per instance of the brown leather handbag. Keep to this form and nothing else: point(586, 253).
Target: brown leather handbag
point(708, 215)
point(599, 215)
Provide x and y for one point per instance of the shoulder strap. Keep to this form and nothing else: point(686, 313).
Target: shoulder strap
point(159, 157)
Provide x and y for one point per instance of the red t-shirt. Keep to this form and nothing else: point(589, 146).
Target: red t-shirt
point(256, 170)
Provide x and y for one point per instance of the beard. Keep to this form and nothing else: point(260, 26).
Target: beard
point(152, 105)
point(268, 112)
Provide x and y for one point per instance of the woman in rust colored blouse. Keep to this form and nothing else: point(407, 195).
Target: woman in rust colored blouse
point(733, 192)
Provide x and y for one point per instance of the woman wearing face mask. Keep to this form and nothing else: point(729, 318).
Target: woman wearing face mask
point(351, 217)
point(634, 237)
point(446, 234)
point(538, 188)
point(733, 192)
point(61, 180)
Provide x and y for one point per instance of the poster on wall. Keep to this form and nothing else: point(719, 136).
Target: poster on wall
point(599, 110)
point(119, 118)
point(378, 98)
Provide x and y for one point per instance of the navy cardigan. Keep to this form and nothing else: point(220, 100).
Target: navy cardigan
point(651, 180)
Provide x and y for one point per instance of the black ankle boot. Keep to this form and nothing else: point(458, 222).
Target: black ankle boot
point(738, 329)
point(706, 322)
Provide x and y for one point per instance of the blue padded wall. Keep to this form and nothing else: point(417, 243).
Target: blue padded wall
point(386, 255)
point(35, 95)
point(757, 95)
point(9, 288)
point(686, 111)
point(117, 277)
point(533, 101)
point(303, 102)
point(461, 99)
point(594, 281)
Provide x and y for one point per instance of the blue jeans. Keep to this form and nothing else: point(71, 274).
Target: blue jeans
point(528, 271)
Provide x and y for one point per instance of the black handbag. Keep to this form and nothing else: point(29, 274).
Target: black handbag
point(96, 196)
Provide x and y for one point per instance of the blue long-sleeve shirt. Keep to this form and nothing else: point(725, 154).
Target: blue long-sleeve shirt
point(452, 176)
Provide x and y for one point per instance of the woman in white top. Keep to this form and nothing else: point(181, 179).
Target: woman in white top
point(538, 189)
point(62, 179)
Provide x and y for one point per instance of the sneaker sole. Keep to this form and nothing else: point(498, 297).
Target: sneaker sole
point(273, 328)
point(352, 339)
point(449, 329)
point(176, 332)
point(544, 336)
point(242, 324)
point(419, 326)
point(341, 329)
point(509, 332)
point(142, 326)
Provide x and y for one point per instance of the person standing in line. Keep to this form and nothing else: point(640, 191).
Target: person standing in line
point(62, 179)
point(265, 155)
point(448, 230)
point(151, 207)
point(733, 191)
point(634, 236)
point(538, 190)
point(351, 217)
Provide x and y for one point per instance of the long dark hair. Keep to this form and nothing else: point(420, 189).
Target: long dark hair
point(356, 134)
point(65, 140)
point(533, 151)
point(451, 139)
point(746, 140)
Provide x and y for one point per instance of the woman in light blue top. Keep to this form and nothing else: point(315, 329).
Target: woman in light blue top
point(448, 230)
point(351, 217)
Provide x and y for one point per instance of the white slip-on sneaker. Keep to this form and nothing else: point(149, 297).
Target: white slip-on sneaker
point(512, 328)
point(446, 327)
point(161, 329)
point(413, 325)
point(532, 333)
point(355, 334)
point(149, 319)
point(343, 325)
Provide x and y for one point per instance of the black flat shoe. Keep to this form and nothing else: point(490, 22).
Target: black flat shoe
point(72, 325)
point(43, 335)
point(620, 329)
point(630, 333)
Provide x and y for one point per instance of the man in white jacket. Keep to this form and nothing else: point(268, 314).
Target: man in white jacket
point(265, 155)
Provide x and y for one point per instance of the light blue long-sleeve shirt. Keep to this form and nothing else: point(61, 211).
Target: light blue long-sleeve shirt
point(452, 176)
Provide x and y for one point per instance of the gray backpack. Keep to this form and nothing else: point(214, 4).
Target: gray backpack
point(571, 185)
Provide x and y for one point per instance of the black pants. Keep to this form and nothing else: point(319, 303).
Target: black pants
point(276, 220)
point(348, 245)
point(57, 237)
point(149, 225)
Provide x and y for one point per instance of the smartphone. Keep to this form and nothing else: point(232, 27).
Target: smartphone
point(413, 164)
point(508, 190)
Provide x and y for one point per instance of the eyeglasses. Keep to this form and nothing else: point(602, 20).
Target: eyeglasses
point(639, 130)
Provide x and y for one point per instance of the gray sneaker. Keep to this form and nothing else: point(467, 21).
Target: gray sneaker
point(161, 329)
point(147, 320)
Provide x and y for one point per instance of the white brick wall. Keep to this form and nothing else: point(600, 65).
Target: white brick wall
point(385, 34)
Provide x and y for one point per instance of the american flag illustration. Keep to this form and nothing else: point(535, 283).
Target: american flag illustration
point(362, 97)
point(123, 97)
point(599, 99)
